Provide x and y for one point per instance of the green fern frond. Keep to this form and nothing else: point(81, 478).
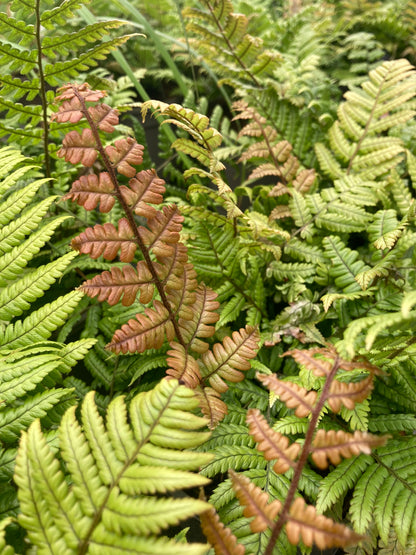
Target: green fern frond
point(343, 265)
point(113, 467)
point(334, 486)
point(356, 141)
point(29, 48)
point(386, 491)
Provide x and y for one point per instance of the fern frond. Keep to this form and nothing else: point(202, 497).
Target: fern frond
point(183, 366)
point(89, 190)
point(273, 444)
point(228, 360)
point(329, 446)
point(16, 298)
point(147, 331)
point(291, 394)
point(123, 154)
point(304, 522)
point(348, 394)
point(223, 41)
point(204, 315)
point(107, 240)
point(121, 284)
point(40, 324)
point(145, 187)
point(334, 486)
point(355, 138)
point(345, 265)
point(106, 504)
point(255, 502)
point(220, 537)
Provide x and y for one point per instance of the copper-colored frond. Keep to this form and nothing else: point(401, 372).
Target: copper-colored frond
point(123, 283)
point(289, 168)
point(172, 267)
point(146, 187)
point(89, 190)
point(183, 298)
point(124, 153)
point(70, 111)
point(79, 148)
point(163, 231)
point(265, 169)
point(280, 211)
point(272, 444)
point(183, 366)
point(291, 394)
point(304, 180)
point(221, 538)
point(348, 394)
point(229, 359)
point(211, 405)
point(304, 522)
point(329, 446)
point(319, 366)
point(107, 240)
point(256, 150)
point(363, 364)
point(66, 92)
point(203, 316)
point(147, 331)
point(104, 117)
point(255, 502)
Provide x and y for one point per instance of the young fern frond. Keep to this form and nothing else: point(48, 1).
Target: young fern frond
point(119, 470)
point(181, 311)
point(222, 38)
point(300, 521)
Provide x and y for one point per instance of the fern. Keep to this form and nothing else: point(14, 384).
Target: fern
point(114, 462)
point(164, 268)
point(354, 137)
point(39, 57)
point(323, 446)
point(32, 365)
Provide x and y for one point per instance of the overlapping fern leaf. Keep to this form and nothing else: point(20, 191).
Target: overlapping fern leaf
point(113, 492)
point(32, 366)
point(34, 59)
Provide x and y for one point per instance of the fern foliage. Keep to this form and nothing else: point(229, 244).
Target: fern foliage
point(354, 138)
point(183, 311)
point(245, 59)
point(32, 366)
point(119, 470)
point(35, 60)
point(324, 446)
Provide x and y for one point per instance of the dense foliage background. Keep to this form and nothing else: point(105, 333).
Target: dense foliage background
point(241, 336)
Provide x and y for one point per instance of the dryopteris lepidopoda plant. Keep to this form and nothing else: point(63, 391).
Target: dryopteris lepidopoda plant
point(181, 310)
point(324, 446)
